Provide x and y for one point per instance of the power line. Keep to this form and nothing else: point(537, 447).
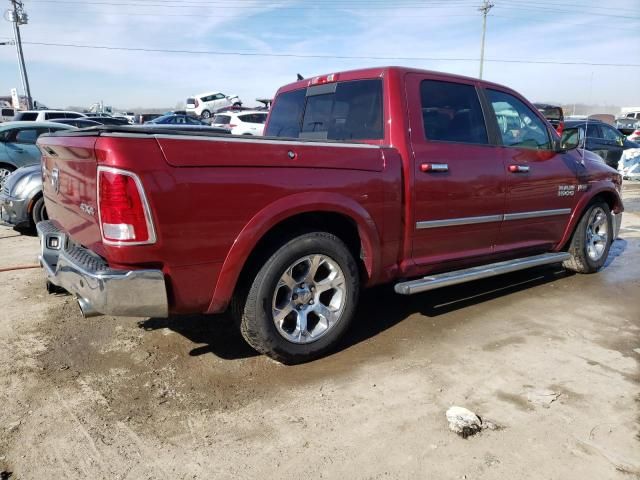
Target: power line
point(336, 57)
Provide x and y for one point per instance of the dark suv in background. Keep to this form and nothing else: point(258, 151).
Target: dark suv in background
point(603, 139)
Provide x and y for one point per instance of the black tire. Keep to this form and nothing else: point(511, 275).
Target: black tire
point(581, 261)
point(237, 104)
point(205, 114)
point(253, 305)
point(39, 211)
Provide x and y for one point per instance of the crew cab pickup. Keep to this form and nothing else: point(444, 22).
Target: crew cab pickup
point(384, 175)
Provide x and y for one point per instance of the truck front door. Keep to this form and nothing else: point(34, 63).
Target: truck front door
point(542, 185)
point(458, 175)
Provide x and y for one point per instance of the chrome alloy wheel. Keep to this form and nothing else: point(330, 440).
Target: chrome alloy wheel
point(309, 299)
point(4, 173)
point(597, 233)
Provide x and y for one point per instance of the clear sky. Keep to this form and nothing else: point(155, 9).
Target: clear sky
point(421, 33)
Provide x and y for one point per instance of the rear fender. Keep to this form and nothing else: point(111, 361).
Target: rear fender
point(279, 211)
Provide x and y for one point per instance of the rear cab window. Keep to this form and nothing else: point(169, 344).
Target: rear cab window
point(347, 110)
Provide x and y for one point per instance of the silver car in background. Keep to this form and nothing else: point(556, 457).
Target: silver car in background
point(21, 200)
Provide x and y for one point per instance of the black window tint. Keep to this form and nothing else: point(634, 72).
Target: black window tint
point(611, 134)
point(26, 116)
point(7, 112)
point(451, 112)
point(353, 112)
point(517, 123)
point(261, 117)
point(52, 115)
point(286, 114)
point(28, 135)
point(221, 119)
point(72, 115)
point(593, 131)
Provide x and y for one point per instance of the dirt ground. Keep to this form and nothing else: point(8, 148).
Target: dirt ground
point(185, 398)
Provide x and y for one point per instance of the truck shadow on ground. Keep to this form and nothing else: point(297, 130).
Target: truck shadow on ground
point(380, 309)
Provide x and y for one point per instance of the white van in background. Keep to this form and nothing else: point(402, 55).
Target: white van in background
point(7, 114)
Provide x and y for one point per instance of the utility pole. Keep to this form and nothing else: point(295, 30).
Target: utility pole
point(18, 16)
point(486, 6)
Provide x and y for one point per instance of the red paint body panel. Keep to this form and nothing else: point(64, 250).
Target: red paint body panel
point(213, 198)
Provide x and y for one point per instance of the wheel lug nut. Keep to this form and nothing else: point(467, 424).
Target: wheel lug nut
point(294, 296)
point(310, 302)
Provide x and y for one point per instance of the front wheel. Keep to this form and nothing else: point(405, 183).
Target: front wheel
point(5, 171)
point(302, 299)
point(591, 240)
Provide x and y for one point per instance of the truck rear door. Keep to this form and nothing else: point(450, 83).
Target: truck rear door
point(459, 179)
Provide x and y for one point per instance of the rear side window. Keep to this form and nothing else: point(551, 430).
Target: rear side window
point(51, 115)
point(72, 115)
point(451, 112)
point(221, 119)
point(519, 126)
point(26, 116)
point(7, 112)
point(341, 111)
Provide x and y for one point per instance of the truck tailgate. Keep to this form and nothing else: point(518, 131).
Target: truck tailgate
point(69, 186)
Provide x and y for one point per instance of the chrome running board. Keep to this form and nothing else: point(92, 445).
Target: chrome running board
point(475, 273)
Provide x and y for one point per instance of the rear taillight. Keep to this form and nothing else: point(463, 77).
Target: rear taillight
point(560, 128)
point(123, 209)
point(231, 125)
point(196, 102)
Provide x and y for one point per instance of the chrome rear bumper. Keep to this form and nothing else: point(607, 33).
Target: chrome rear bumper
point(100, 289)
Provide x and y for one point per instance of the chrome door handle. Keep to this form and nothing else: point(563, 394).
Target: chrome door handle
point(434, 167)
point(519, 168)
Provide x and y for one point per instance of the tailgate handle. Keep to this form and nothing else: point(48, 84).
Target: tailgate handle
point(434, 167)
point(519, 168)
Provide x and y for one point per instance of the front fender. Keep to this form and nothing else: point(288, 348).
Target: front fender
point(282, 209)
point(605, 187)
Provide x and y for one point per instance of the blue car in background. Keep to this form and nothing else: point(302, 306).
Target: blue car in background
point(173, 119)
point(18, 144)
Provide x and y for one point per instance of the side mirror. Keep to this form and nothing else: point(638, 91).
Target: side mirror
point(572, 138)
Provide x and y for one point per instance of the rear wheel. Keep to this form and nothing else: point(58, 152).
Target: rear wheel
point(591, 240)
point(39, 211)
point(205, 114)
point(302, 299)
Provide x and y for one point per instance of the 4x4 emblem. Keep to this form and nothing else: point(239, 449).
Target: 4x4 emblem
point(55, 180)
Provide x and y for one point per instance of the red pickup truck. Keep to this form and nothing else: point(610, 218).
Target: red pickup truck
point(380, 175)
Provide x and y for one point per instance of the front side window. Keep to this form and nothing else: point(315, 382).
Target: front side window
point(519, 126)
point(451, 112)
point(611, 135)
point(593, 131)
